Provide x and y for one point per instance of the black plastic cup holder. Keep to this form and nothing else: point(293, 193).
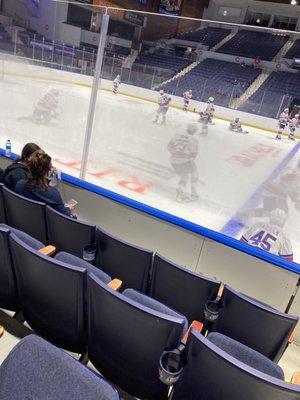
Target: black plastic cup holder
point(212, 310)
point(170, 367)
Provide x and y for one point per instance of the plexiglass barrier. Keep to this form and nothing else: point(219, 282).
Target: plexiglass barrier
point(141, 104)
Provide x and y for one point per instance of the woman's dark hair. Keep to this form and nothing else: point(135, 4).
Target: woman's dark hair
point(39, 164)
point(27, 151)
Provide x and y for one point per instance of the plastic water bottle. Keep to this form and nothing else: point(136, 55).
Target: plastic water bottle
point(8, 148)
point(55, 176)
point(53, 179)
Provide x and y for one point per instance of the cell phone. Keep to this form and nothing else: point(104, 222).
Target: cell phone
point(72, 203)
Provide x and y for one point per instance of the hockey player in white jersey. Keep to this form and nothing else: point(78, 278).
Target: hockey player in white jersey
point(293, 124)
point(282, 122)
point(163, 107)
point(203, 119)
point(116, 84)
point(236, 126)
point(210, 109)
point(270, 236)
point(187, 96)
point(46, 107)
point(160, 97)
point(184, 150)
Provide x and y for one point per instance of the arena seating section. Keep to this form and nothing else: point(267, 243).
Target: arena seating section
point(274, 94)
point(163, 61)
point(251, 44)
point(74, 305)
point(211, 77)
point(207, 36)
point(294, 51)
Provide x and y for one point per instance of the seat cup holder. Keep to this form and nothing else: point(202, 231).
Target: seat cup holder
point(89, 252)
point(170, 367)
point(212, 310)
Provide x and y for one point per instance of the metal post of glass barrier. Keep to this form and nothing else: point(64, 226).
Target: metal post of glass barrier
point(280, 107)
point(33, 47)
point(43, 49)
point(15, 44)
point(93, 99)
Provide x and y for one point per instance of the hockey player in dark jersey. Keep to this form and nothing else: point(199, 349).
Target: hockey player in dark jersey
point(184, 150)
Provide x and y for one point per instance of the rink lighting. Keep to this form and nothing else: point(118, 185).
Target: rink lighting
point(293, 2)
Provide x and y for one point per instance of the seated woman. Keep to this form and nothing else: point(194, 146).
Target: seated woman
point(36, 186)
point(19, 169)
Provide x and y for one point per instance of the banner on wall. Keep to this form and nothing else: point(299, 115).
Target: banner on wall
point(171, 7)
point(135, 18)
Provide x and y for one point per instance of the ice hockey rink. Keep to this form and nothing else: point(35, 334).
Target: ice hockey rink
point(129, 155)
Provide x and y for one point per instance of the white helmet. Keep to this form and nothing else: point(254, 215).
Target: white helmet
point(278, 217)
point(190, 91)
point(161, 92)
point(192, 129)
point(297, 116)
point(211, 99)
point(118, 76)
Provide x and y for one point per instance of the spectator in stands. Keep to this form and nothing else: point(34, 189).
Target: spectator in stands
point(256, 62)
point(243, 64)
point(19, 169)
point(36, 186)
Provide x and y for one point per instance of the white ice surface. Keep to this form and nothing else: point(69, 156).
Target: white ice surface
point(126, 140)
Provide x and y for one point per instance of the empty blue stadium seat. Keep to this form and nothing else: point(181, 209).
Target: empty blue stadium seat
point(37, 370)
point(213, 374)
point(126, 340)
point(181, 289)
point(254, 324)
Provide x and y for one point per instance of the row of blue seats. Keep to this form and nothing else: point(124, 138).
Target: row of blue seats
point(216, 368)
point(207, 36)
point(56, 302)
point(59, 305)
point(251, 44)
point(162, 61)
point(139, 269)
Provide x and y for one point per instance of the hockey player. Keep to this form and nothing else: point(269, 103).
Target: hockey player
point(184, 150)
point(46, 107)
point(210, 109)
point(163, 107)
point(279, 193)
point(270, 236)
point(293, 124)
point(236, 126)
point(160, 97)
point(203, 119)
point(187, 96)
point(282, 122)
point(116, 84)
